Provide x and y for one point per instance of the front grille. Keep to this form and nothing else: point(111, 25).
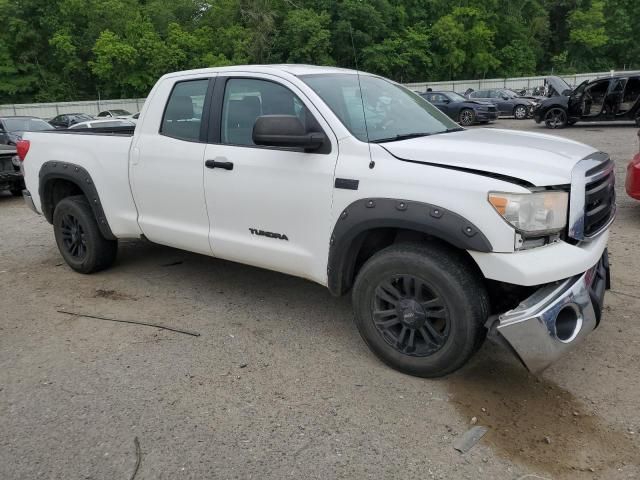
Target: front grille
point(599, 199)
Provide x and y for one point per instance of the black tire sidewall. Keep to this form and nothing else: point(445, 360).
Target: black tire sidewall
point(97, 246)
point(465, 324)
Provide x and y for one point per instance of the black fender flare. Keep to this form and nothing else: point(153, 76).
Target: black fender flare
point(368, 214)
point(55, 170)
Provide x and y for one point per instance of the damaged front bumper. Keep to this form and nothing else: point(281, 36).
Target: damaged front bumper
point(555, 318)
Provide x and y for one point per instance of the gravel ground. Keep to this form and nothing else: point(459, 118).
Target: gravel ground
point(279, 384)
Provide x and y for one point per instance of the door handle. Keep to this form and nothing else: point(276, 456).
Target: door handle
point(218, 164)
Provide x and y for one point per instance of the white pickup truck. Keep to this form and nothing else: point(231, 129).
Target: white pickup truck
point(443, 235)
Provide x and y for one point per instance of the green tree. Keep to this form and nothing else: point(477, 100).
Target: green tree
point(305, 37)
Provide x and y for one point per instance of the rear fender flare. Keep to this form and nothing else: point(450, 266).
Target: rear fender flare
point(55, 170)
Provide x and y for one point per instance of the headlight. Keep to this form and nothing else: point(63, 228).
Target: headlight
point(535, 213)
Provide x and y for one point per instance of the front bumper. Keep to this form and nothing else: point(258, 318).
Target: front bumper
point(555, 318)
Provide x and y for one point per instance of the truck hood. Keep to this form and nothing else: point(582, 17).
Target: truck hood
point(538, 159)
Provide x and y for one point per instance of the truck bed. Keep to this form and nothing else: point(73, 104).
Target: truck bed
point(114, 131)
point(103, 153)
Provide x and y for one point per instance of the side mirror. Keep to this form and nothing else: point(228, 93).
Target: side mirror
point(446, 100)
point(504, 97)
point(285, 131)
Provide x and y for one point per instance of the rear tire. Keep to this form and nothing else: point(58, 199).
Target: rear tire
point(420, 308)
point(78, 237)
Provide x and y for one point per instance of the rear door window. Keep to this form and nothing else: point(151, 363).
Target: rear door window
point(183, 114)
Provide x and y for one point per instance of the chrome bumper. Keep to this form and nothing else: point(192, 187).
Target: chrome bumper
point(555, 318)
point(29, 201)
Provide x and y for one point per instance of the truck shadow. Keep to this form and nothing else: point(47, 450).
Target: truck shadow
point(535, 422)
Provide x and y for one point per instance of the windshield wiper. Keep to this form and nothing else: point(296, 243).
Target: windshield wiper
point(404, 136)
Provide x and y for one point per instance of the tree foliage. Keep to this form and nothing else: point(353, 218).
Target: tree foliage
point(78, 49)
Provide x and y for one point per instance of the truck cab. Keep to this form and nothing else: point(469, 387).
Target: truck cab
point(442, 235)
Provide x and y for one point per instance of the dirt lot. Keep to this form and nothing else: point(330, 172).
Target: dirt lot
point(279, 384)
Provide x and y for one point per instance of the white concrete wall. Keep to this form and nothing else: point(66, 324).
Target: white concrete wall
point(461, 86)
point(50, 110)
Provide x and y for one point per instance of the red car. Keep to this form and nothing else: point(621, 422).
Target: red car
point(632, 183)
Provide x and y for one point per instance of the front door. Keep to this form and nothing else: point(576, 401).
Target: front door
point(440, 101)
point(167, 164)
point(268, 207)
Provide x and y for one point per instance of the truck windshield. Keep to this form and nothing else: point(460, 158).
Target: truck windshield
point(382, 112)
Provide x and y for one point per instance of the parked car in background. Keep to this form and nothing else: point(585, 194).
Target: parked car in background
point(508, 102)
point(10, 176)
point(133, 118)
point(464, 111)
point(105, 123)
point(65, 120)
point(12, 128)
point(117, 113)
point(603, 99)
point(632, 183)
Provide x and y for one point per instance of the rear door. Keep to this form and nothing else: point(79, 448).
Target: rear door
point(505, 105)
point(268, 206)
point(631, 96)
point(167, 164)
point(593, 98)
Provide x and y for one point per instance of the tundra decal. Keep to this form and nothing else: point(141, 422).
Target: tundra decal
point(279, 236)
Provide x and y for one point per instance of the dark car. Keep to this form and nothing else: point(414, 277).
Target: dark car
point(114, 114)
point(12, 128)
point(508, 102)
point(603, 99)
point(65, 120)
point(462, 110)
point(10, 176)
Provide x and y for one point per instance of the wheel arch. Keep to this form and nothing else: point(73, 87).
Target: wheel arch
point(58, 180)
point(371, 224)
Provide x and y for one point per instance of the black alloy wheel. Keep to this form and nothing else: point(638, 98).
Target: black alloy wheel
point(556, 118)
point(74, 238)
point(410, 316)
point(79, 239)
point(420, 307)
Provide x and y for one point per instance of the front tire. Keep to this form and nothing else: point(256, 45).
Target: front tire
point(466, 117)
point(556, 117)
point(520, 112)
point(16, 192)
point(78, 237)
point(420, 308)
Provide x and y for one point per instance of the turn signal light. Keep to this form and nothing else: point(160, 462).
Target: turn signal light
point(22, 148)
